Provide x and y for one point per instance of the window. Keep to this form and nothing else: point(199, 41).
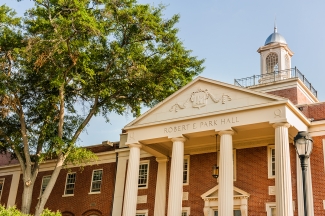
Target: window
point(186, 170)
point(69, 186)
point(270, 209)
point(271, 63)
point(96, 181)
point(45, 182)
point(143, 174)
point(271, 161)
point(2, 181)
point(186, 211)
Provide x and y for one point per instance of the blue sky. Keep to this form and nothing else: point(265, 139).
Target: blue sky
point(227, 34)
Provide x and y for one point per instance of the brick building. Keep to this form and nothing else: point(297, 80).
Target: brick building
point(163, 162)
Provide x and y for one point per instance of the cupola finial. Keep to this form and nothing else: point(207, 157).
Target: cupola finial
point(275, 28)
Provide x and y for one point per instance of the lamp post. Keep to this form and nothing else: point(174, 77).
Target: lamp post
point(304, 146)
point(215, 168)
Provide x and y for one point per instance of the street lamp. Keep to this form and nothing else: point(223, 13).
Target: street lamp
point(215, 168)
point(304, 146)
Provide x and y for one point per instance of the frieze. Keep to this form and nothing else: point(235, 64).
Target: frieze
point(199, 99)
point(201, 124)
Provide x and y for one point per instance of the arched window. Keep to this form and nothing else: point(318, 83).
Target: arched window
point(271, 63)
point(67, 213)
point(92, 212)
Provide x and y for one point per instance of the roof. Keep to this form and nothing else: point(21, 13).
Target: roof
point(275, 37)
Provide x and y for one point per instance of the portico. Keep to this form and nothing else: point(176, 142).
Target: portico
point(186, 124)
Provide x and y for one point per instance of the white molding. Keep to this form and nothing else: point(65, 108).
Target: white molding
point(13, 188)
point(144, 211)
point(161, 185)
point(187, 210)
point(119, 182)
point(268, 207)
point(142, 199)
point(3, 183)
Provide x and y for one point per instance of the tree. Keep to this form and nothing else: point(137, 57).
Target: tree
point(66, 61)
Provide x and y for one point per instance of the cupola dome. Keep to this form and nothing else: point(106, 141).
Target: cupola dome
point(275, 38)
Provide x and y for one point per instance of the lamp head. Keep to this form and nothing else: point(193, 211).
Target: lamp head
point(303, 144)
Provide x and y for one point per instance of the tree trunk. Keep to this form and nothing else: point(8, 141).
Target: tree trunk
point(27, 196)
point(44, 197)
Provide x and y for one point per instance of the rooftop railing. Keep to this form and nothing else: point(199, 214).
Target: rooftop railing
point(274, 77)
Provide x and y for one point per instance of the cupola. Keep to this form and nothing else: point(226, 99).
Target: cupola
point(275, 54)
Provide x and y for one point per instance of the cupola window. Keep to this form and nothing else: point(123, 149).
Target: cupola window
point(271, 63)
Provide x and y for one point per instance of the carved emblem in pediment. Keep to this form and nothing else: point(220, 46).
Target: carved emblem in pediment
point(199, 99)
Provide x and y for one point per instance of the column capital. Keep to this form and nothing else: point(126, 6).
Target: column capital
point(279, 124)
point(230, 132)
point(134, 145)
point(183, 139)
point(162, 159)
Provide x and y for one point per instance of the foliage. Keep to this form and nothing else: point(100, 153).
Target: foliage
point(66, 61)
point(13, 211)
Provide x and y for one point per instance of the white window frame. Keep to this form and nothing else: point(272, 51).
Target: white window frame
point(3, 183)
point(66, 181)
point(187, 158)
point(234, 163)
point(148, 168)
point(270, 149)
point(268, 208)
point(142, 212)
point(92, 181)
point(187, 210)
point(46, 176)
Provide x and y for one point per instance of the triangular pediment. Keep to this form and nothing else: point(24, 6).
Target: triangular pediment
point(203, 97)
point(213, 193)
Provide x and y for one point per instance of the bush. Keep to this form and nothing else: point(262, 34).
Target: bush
point(13, 211)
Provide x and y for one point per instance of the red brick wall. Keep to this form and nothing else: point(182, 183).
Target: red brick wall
point(151, 190)
point(315, 111)
point(252, 177)
point(318, 175)
point(5, 189)
point(81, 203)
point(293, 94)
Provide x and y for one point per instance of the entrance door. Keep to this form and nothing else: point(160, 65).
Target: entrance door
point(236, 213)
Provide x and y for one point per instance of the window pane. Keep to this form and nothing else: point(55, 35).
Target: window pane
point(45, 182)
point(237, 213)
point(185, 171)
point(69, 187)
point(273, 213)
point(143, 175)
point(273, 161)
point(96, 181)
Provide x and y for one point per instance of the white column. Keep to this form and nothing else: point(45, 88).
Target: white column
point(131, 186)
point(226, 175)
point(283, 187)
point(119, 183)
point(13, 189)
point(176, 178)
point(160, 199)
